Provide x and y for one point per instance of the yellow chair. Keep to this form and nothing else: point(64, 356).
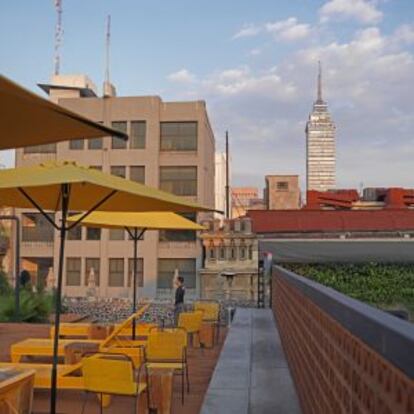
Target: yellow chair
point(211, 314)
point(191, 322)
point(112, 374)
point(167, 349)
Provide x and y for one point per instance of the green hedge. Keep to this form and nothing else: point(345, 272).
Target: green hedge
point(387, 286)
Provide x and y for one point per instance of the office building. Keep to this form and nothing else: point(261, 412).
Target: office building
point(171, 146)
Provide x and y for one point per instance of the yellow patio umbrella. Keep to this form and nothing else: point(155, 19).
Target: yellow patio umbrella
point(28, 119)
point(136, 224)
point(67, 186)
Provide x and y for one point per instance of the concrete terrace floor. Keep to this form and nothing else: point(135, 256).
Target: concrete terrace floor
point(201, 365)
point(252, 375)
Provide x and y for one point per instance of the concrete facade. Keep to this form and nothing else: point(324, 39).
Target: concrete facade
point(141, 159)
point(320, 146)
point(231, 261)
point(282, 192)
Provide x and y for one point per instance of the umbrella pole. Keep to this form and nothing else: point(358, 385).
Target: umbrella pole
point(62, 229)
point(135, 237)
point(134, 297)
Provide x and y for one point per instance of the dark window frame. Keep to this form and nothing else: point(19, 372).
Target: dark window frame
point(178, 140)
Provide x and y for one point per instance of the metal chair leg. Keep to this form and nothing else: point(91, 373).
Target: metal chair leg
point(182, 386)
point(187, 377)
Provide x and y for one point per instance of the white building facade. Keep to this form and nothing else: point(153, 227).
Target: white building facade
point(320, 146)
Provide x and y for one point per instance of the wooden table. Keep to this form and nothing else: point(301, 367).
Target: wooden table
point(161, 389)
point(16, 390)
point(206, 336)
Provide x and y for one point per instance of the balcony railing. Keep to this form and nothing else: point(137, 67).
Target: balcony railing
point(35, 234)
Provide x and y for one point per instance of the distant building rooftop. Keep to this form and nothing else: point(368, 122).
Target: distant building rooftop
point(331, 221)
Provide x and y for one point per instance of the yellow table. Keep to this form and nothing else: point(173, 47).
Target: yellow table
point(69, 376)
point(161, 389)
point(41, 347)
point(16, 390)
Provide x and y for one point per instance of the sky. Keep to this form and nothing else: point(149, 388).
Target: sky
point(255, 65)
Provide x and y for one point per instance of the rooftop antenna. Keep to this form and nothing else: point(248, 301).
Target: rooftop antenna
point(58, 35)
point(108, 43)
point(319, 97)
point(108, 88)
point(227, 177)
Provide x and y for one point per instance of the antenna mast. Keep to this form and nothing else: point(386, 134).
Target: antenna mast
point(58, 35)
point(108, 44)
point(227, 178)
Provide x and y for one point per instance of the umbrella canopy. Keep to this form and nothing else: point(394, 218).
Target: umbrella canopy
point(67, 186)
point(132, 222)
point(28, 119)
point(148, 221)
point(20, 187)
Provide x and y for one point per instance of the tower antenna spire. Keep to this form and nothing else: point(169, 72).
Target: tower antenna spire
point(58, 35)
point(107, 50)
point(319, 97)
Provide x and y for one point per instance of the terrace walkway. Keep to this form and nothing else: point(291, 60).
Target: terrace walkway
point(252, 375)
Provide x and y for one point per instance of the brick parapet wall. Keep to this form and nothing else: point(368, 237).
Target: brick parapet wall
point(334, 370)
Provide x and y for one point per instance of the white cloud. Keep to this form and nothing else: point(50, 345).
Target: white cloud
point(368, 82)
point(405, 34)
point(288, 30)
point(242, 82)
point(364, 11)
point(248, 30)
point(255, 52)
point(181, 76)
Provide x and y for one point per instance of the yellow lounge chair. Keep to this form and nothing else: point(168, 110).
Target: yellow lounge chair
point(83, 330)
point(113, 343)
point(167, 349)
point(211, 316)
point(191, 322)
point(112, 374)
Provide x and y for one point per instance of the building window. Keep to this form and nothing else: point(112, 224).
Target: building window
point(118, 170)
point(116, 234)
point(35, 228)
point(186, 269)
point(137, 173)
point(93, 233)
point(211, 253)
point(242, 253)
point(95, 143)
point(40, 149)
point(95, 264)
point(232, 251)
point(178, 136)
point(119, 143)
point(137, 136)
point(250, 253)
point(179, 235)
point(282, 186)
point(75, 233)
point(222, 253)
point(116, 273)
point(77, 144)
point(180, 181)
point(140, 272)
point(73, 271)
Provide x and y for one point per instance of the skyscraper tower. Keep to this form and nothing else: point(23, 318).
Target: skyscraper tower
point(320, 145)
